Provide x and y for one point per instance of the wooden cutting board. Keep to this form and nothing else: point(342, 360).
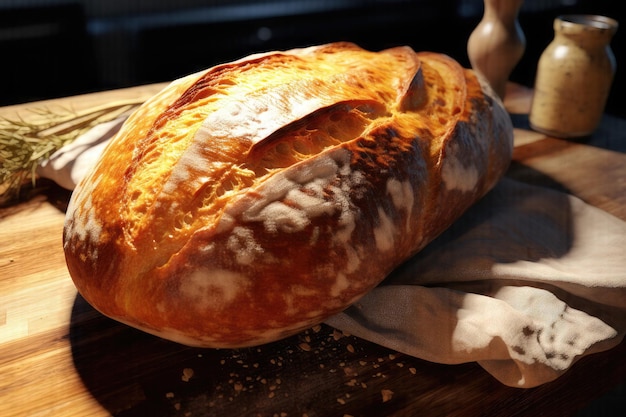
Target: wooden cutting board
point(60, 357)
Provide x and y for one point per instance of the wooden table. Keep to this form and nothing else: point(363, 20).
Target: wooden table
point(59, 357)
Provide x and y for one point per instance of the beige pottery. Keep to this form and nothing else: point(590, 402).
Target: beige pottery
point(574, 76)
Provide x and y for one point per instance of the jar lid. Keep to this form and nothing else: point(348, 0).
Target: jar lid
point(589, 22)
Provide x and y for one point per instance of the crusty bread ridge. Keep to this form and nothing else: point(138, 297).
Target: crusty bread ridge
point(252, 200)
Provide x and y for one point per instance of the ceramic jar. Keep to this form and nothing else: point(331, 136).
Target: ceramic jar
point(574, 76)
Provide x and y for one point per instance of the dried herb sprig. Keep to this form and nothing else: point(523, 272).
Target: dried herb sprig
point(24, 144)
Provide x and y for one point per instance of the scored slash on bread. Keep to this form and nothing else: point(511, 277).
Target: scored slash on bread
point(257, 198)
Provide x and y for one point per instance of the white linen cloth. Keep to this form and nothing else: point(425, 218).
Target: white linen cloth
point(525, 283)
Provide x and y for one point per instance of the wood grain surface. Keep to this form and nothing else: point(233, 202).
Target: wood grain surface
point(59, 357)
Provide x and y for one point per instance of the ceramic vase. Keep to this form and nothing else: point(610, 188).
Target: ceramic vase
point(497, 43)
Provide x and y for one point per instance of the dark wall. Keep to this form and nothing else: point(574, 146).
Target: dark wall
point(55, 50)
point(44, 52)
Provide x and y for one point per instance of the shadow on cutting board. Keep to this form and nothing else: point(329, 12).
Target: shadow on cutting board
point(320, 372)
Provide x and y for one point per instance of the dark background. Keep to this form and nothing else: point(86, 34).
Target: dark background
point(52, 48)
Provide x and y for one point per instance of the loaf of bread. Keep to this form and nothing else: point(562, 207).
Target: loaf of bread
point(257, 198)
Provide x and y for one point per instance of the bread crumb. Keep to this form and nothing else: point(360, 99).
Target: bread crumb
point(341, 401)
point(305, 347)
point(187, 374)
point(349, 371)
point(413, 370)
point(387, 394)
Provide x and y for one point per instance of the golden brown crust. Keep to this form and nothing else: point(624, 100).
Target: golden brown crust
point(259, 197)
